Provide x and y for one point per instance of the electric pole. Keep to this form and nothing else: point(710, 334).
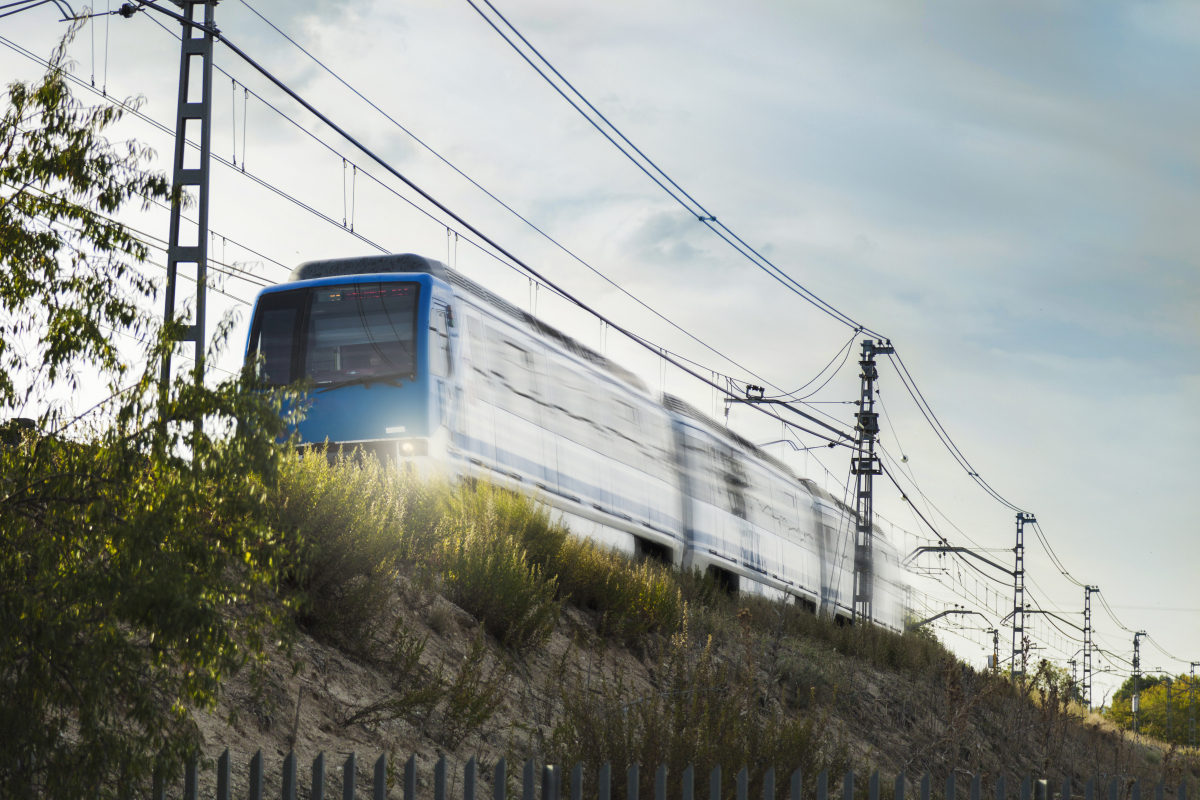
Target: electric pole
point(1087, 644)
point(1168, 680)
point(1018, 646)
point(1137, 676)
point(1192, 705)
point(865, 466)
point(194, 107)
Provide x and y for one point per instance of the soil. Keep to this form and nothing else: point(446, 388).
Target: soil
point(950, 721)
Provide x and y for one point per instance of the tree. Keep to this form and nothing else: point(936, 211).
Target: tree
point(1156, 693)
point(129, 535)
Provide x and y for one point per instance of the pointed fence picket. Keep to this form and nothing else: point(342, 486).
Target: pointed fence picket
point(551, 783)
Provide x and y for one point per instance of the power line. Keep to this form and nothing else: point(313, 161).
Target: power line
point(926, 410)
point(1111, 613)
point(847, 347)
point(700, 212)
point(661, 352)
point(1163, 650)
point(26, 5)
point(507, 207)
point(1054, 556)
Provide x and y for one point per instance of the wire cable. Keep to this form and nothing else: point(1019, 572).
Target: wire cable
point(926, 410)
point(144, 4)
point(701, 213)
point(509, 208)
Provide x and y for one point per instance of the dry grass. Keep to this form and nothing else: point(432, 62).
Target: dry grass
point(707, 676)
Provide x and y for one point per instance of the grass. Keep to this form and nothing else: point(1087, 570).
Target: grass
point(363, 530)
point(703, 711)
point(357, 523)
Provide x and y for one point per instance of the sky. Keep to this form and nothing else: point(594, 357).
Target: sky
point(1008, 193)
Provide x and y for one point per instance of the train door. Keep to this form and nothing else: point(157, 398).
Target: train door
point(440, 362)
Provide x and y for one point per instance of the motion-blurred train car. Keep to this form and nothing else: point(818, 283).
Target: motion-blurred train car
point(417, 363)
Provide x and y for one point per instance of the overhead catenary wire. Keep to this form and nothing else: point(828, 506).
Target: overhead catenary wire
point(1037, 529)
point(155, 246)
point(634, 337)
point(1166, 652)
point(508, 207)
point(1111, 613)
point(699, 211)
point(26, 5)
point(926, 410)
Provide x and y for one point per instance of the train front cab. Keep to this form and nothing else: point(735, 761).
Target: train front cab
point(377, 350)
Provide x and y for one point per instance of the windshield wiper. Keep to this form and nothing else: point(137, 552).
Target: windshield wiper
point(390, 380)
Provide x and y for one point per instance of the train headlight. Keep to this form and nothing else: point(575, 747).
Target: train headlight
point(407, 448)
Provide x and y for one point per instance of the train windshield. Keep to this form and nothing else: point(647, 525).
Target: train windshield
point(338, 335)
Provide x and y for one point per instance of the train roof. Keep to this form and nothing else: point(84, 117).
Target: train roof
point(368, 265)
point(686, 409)
point(411, 262)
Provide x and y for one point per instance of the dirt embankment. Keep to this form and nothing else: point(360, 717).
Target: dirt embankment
point(434, 684)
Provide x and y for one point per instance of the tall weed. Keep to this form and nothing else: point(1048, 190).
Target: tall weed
point(483, 566)
point(347, 521)
point(700, 712)
point(632, 598)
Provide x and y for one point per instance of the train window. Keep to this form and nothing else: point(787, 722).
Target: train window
point(273, 334)
point(478, 353)
point(627, 414)
point(361, 331)
point(439, 343)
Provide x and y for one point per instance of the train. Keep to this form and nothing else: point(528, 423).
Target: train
point(412, 360)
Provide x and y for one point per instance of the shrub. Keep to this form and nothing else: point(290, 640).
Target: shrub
point(632, 598)
point(482, 562)
point(349, 521)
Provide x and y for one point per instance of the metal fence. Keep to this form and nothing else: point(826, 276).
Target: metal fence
point(551, 784)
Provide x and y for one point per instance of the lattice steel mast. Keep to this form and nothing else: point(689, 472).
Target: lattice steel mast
point(1018, 637)
point(196, 61)
point(1087, 644)
point(865, 466)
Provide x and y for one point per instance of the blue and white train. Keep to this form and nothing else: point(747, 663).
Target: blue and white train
point(418, 363)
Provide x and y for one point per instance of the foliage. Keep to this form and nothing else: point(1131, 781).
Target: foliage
point(67, 274)
point(1158, 694)
point(137, 568)
point(1144, 684)
point(347, 522)
point(483, 565)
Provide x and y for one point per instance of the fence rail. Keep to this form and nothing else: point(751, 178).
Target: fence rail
point(551, 783)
